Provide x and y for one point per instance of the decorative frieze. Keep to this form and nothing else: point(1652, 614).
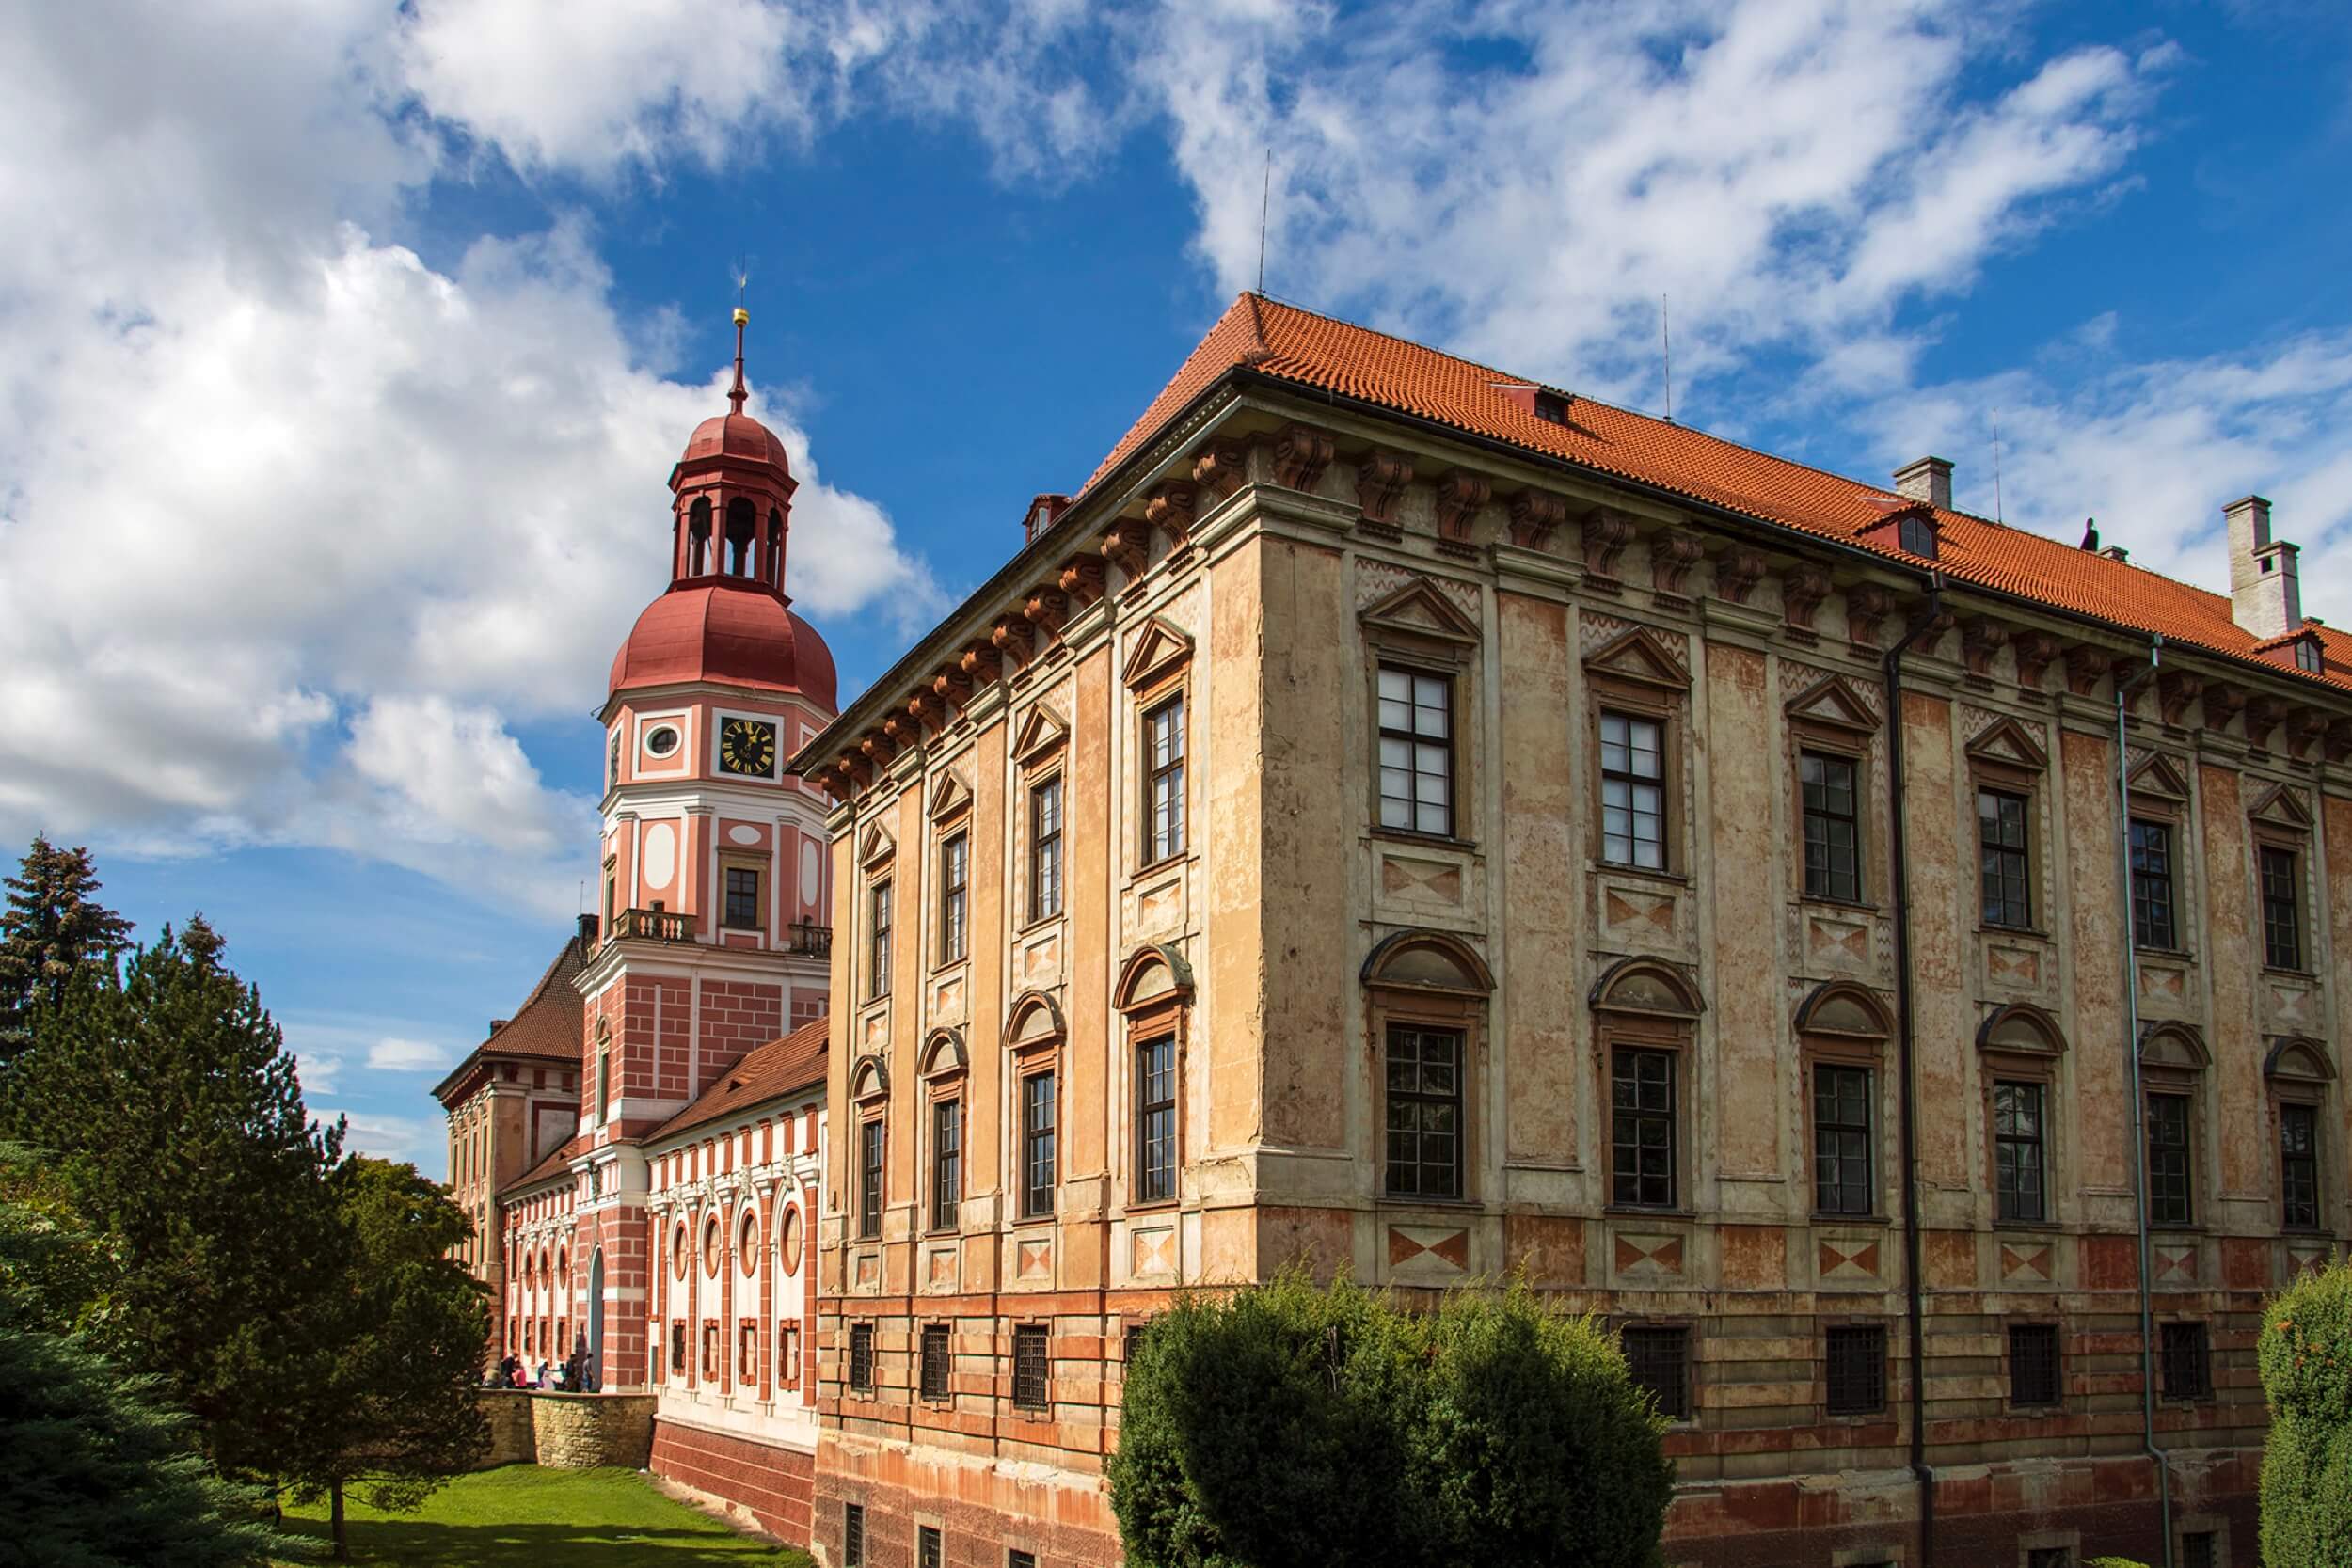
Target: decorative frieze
point(1126, 545)
point(1046, 609)
point(953, 687)
point(983, 664)
point(1014, 638)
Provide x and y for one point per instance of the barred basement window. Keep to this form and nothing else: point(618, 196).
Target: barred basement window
point(935, 1361)
point(1832, 837)
point(2050, 1557)
point(2033, 1365)
point(862, 1355)
point(852, 1536)
point(1017, 1558)
point(1655, 1359)
point(1133, 1342)
point(2186, 1364)
point(1029, 1367)
point(1856, 1354)
point(2196, 1549)
point(927, 1552)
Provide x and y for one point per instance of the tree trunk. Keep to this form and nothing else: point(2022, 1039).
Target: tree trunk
point(342, 1546)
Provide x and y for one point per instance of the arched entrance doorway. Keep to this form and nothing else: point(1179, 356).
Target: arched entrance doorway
point(595, 1319)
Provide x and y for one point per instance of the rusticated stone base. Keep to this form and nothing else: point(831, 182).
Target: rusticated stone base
point(579, 1432)
point(981, 1509)
point(770, 1486)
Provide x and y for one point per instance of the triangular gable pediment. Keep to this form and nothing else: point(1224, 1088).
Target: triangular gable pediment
point(949, 796)
point(875, 846)
point(1422, 607)
point(2284, 807)
point(1041, 732)
point(2160, 775)
point(1832, 701)
point(1638, 655)
point(1158, 648)
point(2010, 742)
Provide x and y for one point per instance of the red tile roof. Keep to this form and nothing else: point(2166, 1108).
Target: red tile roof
point(1287, 344)
point(770, 1071)
point(547, 1027)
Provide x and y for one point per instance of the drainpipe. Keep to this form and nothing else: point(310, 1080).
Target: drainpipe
point(1913, 1302)
point(2124, 690)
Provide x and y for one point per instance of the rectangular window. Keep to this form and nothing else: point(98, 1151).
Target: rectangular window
point(862, 1355)
point(935, 1361)
point(852, 1536)
point(1858, 1369)
point(1155, 1120)
point(1045, 849)
point(1642, 1128)
point(1019, 1559)
point(870, 1178)
point(1037, 1145)
point(1655, 1359)
point(1164, 786)
point(2282, 909)
point(878, 950)
point(2033, 1364)
point(2152, 886)
point(2169, 1185)
point(677, 1347)
point(2186, 1365)
point(2002, 862)
point(743, 904)
point(747, 1353)
point(955, 874)
point(1424, 1112)
point(1841, 1140)
point(2018, 1158)
point(947, 1163)
point(788, 1356)
point(2196, 1549)
point(1833, 839)
point(2299, 1164)
point(1029, 1389)
point(1632, 791)
point(1416, 751)
point(927, 1548)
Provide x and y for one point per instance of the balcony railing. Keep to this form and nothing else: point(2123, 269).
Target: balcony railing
point(802, 936)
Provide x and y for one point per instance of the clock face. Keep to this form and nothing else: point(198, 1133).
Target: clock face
point(748, 746)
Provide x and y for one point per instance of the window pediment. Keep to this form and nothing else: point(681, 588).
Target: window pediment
point(2160, 775)
point(1845, 1009)
point(2296, 1059)
point(870, 1078)
point(1646, 985)
point(1428, 961)
point(2173, 1045)
point(2011, 744)
point(1034, 1020)
point(2284, 807)
point(876, 847)
point(1637, 654)
point(942, 1053)
point(1159, 650)
point(951, 797)
point(1834, 701)
point(2022, 1029)
point(1152, 974)
point(1421, 609)
point(1042, 734)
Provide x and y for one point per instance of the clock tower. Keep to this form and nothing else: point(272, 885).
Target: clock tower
point(713, 878)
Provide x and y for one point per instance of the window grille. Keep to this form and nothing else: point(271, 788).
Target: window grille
point(2282, 909)
point(2169, 1196)
point(1155, 1120)
point(2186, 1361)
point(862, 1355)
point(1858, 1369)
point(1037, 1145)
point(2033, 1365)
point(2299, 1164)
point(852, 1535)
point(947, 1163)
point(955, 871)
point(935, 1361)
point(2152, 886)
point(1045, 849)
point(1163, 788)
point(1657, 1360)
point(1029, 1389)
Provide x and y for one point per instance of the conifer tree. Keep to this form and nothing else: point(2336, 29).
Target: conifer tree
point(170, 1111)
point(392, 1412)
point(52, 927)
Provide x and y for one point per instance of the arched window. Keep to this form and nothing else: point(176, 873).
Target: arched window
point(1427, 992)
point(869, 1096)
point(1033, 1037)
point(1841, 1038)
point(1153, 993)
point(742, 534)
point(1647, 1014)
point(943, 1065)
point(788, 1236)
point(698, 537)
point(747, 1241)
point(2022, 1051)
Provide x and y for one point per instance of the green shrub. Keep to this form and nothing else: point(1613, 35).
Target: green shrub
point(2114, 1562)
point(2305, 1361)
point(1287, 1424)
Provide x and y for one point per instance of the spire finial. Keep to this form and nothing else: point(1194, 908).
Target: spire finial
point(736, 394)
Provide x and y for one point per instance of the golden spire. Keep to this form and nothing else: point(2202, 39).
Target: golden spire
point(736, 394)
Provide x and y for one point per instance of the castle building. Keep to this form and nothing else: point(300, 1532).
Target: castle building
point(1434, 824)
point(666, 1235)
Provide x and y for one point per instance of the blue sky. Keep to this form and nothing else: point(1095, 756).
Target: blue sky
point(345, 348)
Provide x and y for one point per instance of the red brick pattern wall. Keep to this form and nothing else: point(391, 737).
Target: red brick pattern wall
point(737, 1015)
point(774, 1485)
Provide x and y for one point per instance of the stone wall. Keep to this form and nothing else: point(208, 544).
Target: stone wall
point(508, 1411)
point(578, 1432)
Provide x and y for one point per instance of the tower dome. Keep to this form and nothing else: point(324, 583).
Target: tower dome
point(713, 632)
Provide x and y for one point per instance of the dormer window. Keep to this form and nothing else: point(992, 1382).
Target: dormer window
point(1551, 409)
point(1916, 535)
point(2307, 656)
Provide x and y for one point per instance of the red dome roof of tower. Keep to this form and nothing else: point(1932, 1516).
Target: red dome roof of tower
point(740, 635)
point(735, 435)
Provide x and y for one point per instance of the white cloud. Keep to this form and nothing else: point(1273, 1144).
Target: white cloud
point(400, 1056)
point(424, 1140)
point(296, 527)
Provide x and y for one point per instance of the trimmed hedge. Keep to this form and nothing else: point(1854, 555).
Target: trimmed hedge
point(1286, 1424)
point(2305, 1359)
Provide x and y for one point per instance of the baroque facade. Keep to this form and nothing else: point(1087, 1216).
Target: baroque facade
point(1434, 824)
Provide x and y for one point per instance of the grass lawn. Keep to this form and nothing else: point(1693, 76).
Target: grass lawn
point(521, 1517)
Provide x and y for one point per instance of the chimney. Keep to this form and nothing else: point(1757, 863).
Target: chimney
point(1926, 479)
point(498, 1023)
point(2266, 598)
point(588, 925)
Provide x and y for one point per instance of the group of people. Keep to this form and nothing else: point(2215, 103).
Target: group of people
point(575, 1374)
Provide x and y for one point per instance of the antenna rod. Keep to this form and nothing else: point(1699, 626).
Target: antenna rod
point(1265, 205)
point(1997, 468)
point(1666, 341)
